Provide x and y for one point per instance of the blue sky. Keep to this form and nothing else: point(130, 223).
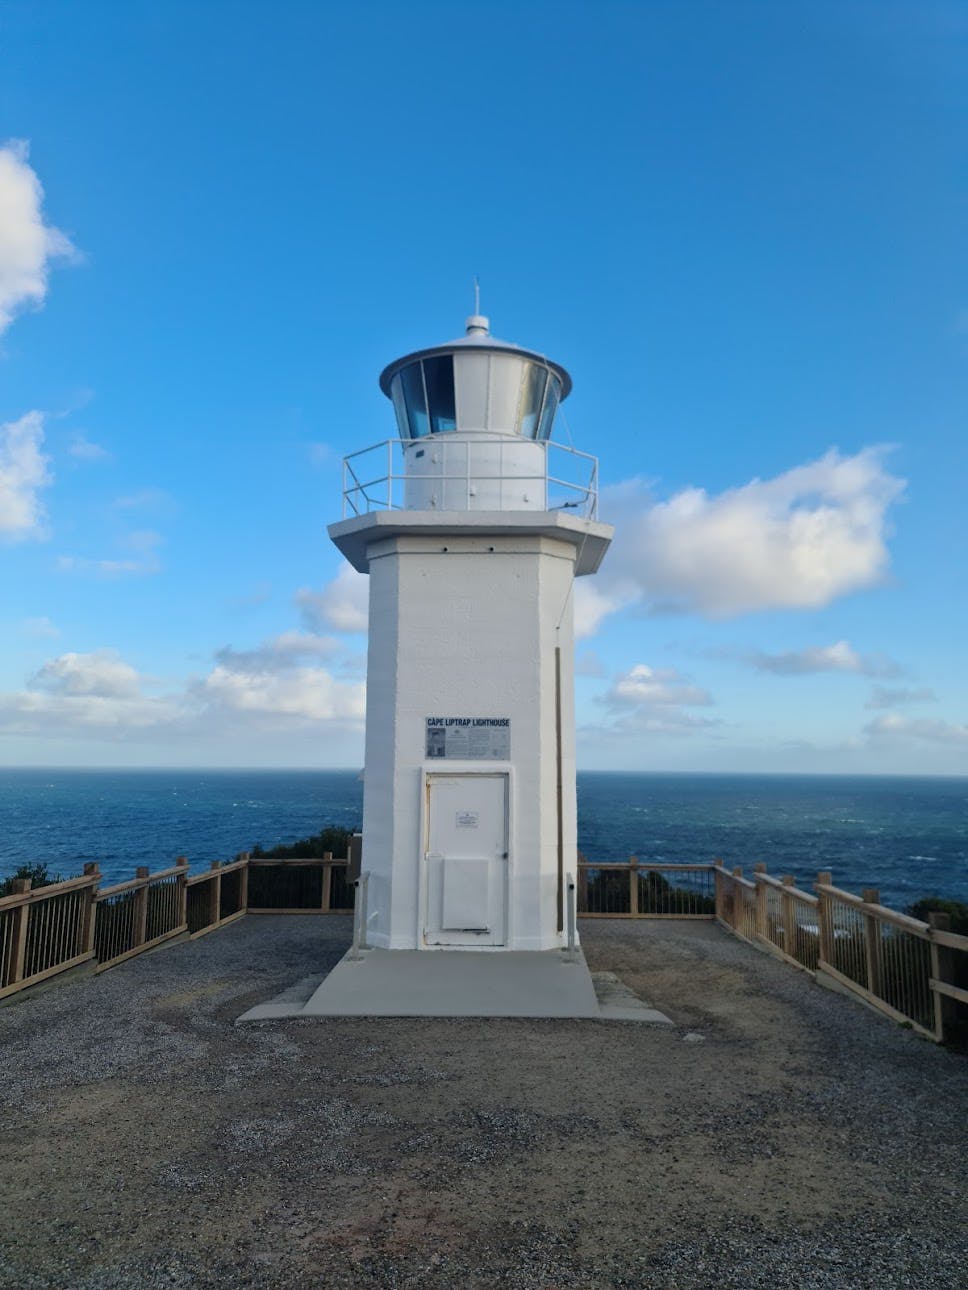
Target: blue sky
point(739, 226)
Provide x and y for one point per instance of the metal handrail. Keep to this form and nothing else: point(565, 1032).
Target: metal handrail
point(377, 492)
point(359, 916)
point(570, 917)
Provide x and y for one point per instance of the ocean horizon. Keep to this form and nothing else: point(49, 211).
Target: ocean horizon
point(906, 835)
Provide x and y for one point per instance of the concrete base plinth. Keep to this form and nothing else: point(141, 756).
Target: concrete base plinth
point(453, 983)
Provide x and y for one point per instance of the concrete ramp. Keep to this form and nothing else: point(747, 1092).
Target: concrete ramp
point(452, 983)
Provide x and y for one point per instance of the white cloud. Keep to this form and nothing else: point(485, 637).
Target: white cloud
point(103, 673)
point(308, 692)
point(84, 450)
point(279, 653)
point(242, 694)
point(34, 711)
point(654, 701)
point(39, 628)
point(929, 730)
point(85, 692)
point(591, 606)
point(275, 679)
point(797, 541)
point(27, 244)
point(839, 657)
point(883, 696)
point(341, 606)
point(23, 473)
point(644, 685)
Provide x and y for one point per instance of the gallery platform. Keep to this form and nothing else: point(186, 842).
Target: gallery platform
point(455, 983)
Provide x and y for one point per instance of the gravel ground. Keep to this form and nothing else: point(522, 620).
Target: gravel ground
point(778, 1135)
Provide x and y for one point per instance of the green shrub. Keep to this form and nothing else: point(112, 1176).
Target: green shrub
point(37, 873)
point(334, 840)
point(956, 910)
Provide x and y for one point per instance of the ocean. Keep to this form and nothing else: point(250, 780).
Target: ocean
point(906, 836)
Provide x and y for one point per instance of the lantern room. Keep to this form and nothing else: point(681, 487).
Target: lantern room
point(475, 418)
point(477, 385)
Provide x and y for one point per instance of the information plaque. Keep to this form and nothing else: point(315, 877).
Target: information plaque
point(469, 738)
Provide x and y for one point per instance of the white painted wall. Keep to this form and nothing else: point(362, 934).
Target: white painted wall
point(463, 624)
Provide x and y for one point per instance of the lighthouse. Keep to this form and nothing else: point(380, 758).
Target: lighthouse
point(472, 524)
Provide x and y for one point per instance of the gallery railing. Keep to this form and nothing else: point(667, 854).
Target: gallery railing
point(377, 479)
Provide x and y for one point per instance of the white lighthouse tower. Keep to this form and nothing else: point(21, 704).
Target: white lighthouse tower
point(472, 536)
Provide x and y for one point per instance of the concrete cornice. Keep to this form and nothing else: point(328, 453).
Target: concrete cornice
point(590, 538)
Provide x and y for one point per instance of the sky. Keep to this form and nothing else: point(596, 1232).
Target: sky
point(739, 226)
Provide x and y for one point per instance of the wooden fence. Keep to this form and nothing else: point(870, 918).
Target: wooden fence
point(45, 931)
point(635, 890)
point(914, 972)
point(51, 929)
point(131, 917)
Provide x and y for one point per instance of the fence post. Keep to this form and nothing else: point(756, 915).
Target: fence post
point(737, 900)
point(244, 881)
point(182, 881)
point(89, 918)
point(825, 918)
point(761, 921)
point(872, 941)
point(140, 920)
point(18, 943)
point(215, 894)
point(789, 919)
point(942, 969)
point(719, 895)
point(634, 886)
point(327, 883)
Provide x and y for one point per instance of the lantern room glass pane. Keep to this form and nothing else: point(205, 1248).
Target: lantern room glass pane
point(552, 398)
point(415, 400)
point(439, 380)
point(532, 392)
point(399, 407)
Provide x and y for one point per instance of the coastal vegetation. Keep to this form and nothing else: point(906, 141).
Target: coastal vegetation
point(38, 874)
point(302, 887)
point(331, 839)
point(957, 911)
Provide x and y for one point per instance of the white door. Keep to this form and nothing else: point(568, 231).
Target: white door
point(467, 859)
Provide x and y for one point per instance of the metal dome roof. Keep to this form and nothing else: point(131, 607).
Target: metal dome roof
point(478, 337)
